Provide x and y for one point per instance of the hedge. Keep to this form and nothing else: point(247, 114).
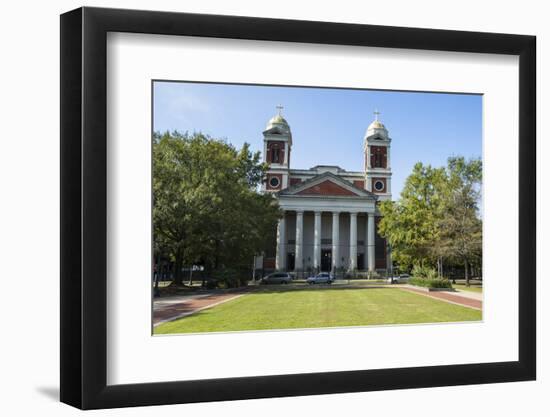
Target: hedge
point(431, 282)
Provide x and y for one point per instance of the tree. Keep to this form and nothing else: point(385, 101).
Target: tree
point(461, 226)
point(207, 208)
point(411, 224)
point(437, 216)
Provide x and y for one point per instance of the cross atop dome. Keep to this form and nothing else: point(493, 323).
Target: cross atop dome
point(278, 119)
point(376, 129)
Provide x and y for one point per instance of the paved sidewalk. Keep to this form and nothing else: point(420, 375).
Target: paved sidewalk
point(176, 299)
point(450, 297)
point(470, 294)
point(175, 307)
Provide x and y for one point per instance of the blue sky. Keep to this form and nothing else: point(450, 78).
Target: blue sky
point(328, 125)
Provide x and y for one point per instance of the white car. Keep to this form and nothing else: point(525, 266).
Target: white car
point(321, 278)
point(399, 279)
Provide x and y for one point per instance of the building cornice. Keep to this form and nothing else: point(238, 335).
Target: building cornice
point(338, 180)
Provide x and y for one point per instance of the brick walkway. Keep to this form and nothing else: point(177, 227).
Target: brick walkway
point(449, 297)
point(185, 306)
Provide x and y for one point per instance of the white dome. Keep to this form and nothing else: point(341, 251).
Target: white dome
point(278, 121)
point(376, 125)
point(377, 128)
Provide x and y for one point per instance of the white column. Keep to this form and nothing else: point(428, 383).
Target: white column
point(368, 157)
point(280, 259)
point(365, 265)
point(352, 241)
point(299, 254)
point(370, 241)
point(317, 241)
point(335, 240)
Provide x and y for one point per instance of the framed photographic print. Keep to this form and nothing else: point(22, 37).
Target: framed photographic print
point(287, 208)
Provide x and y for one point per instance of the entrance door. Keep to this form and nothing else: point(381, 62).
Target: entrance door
point(326, 260)
point(361, 261)
point(290, 262)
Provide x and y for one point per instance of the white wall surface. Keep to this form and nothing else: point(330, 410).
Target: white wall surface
point(29, 218)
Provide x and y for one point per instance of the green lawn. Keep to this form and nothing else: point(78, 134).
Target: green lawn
point(319, 307)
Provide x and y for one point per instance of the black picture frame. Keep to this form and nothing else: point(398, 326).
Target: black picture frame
point(84, 207)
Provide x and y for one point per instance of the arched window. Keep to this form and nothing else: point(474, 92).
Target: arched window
point(378, 157)
point(275, 154)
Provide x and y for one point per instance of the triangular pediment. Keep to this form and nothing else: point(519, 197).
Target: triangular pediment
point(327, 185)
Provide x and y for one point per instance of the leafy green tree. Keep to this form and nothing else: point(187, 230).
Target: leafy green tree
point(411, 224)
point(437, 216)
point(207, 208)
point(461, 226)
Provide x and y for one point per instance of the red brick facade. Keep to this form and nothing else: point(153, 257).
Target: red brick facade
point(279, 186)
point(294, 181)
point(373, 188)
point(327, 188)
point(269, 263)
point(275, 152)
point(359, 184)
point(378, 156)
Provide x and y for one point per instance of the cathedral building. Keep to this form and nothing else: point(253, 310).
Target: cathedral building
point(330, 214)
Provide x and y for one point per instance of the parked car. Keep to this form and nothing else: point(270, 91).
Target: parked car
point(321, 278)
point(276, 278)
point(210, 283)
point(399, 279)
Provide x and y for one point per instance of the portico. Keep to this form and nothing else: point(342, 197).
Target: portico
point(344, 236)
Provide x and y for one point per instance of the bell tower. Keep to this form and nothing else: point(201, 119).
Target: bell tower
point(277, 150)
point(377, 159)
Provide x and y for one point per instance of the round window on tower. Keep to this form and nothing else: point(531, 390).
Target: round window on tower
point(274, 182)
point(379, 185)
